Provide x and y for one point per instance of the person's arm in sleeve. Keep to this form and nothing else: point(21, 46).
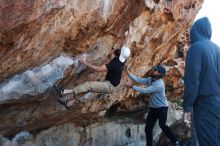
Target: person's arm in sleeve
point(139, 80)
point(151, 89)
point(191, 77)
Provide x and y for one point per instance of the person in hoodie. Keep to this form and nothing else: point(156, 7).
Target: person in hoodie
point(202, 84)
point(114, 71)
point(158, 103)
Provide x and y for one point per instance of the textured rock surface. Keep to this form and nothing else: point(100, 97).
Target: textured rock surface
point(39, 37)
point(107, 134)
point(121, 132)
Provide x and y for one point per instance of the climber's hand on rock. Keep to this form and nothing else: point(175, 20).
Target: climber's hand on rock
point(82, 59)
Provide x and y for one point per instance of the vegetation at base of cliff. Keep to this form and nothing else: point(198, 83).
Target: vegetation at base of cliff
point(178, 100)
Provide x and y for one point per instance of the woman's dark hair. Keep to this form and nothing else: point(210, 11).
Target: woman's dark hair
point(117, 53)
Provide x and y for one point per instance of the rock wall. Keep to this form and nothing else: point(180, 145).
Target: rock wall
point(107, 134)
point(122, 131)
point(39, 40)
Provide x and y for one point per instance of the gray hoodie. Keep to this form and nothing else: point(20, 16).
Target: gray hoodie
point(156, 90)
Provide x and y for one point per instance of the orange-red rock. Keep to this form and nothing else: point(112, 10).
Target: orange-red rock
point(34, 32)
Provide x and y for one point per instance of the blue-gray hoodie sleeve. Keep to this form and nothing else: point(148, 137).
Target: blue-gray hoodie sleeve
point(150, 89)
point(191, 77)
point(136, 79)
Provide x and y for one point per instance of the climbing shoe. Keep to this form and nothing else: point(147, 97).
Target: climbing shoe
point(63, 103)
point(59, 90)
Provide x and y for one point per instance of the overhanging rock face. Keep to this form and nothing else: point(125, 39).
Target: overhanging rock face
point(39, 39)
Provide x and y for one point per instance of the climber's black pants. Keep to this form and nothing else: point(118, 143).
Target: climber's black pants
point(153, 115)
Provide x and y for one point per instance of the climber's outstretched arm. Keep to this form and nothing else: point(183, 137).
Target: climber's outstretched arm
point(101, 68)
point(128, 36)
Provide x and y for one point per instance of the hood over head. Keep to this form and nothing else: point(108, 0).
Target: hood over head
point(200, 30)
